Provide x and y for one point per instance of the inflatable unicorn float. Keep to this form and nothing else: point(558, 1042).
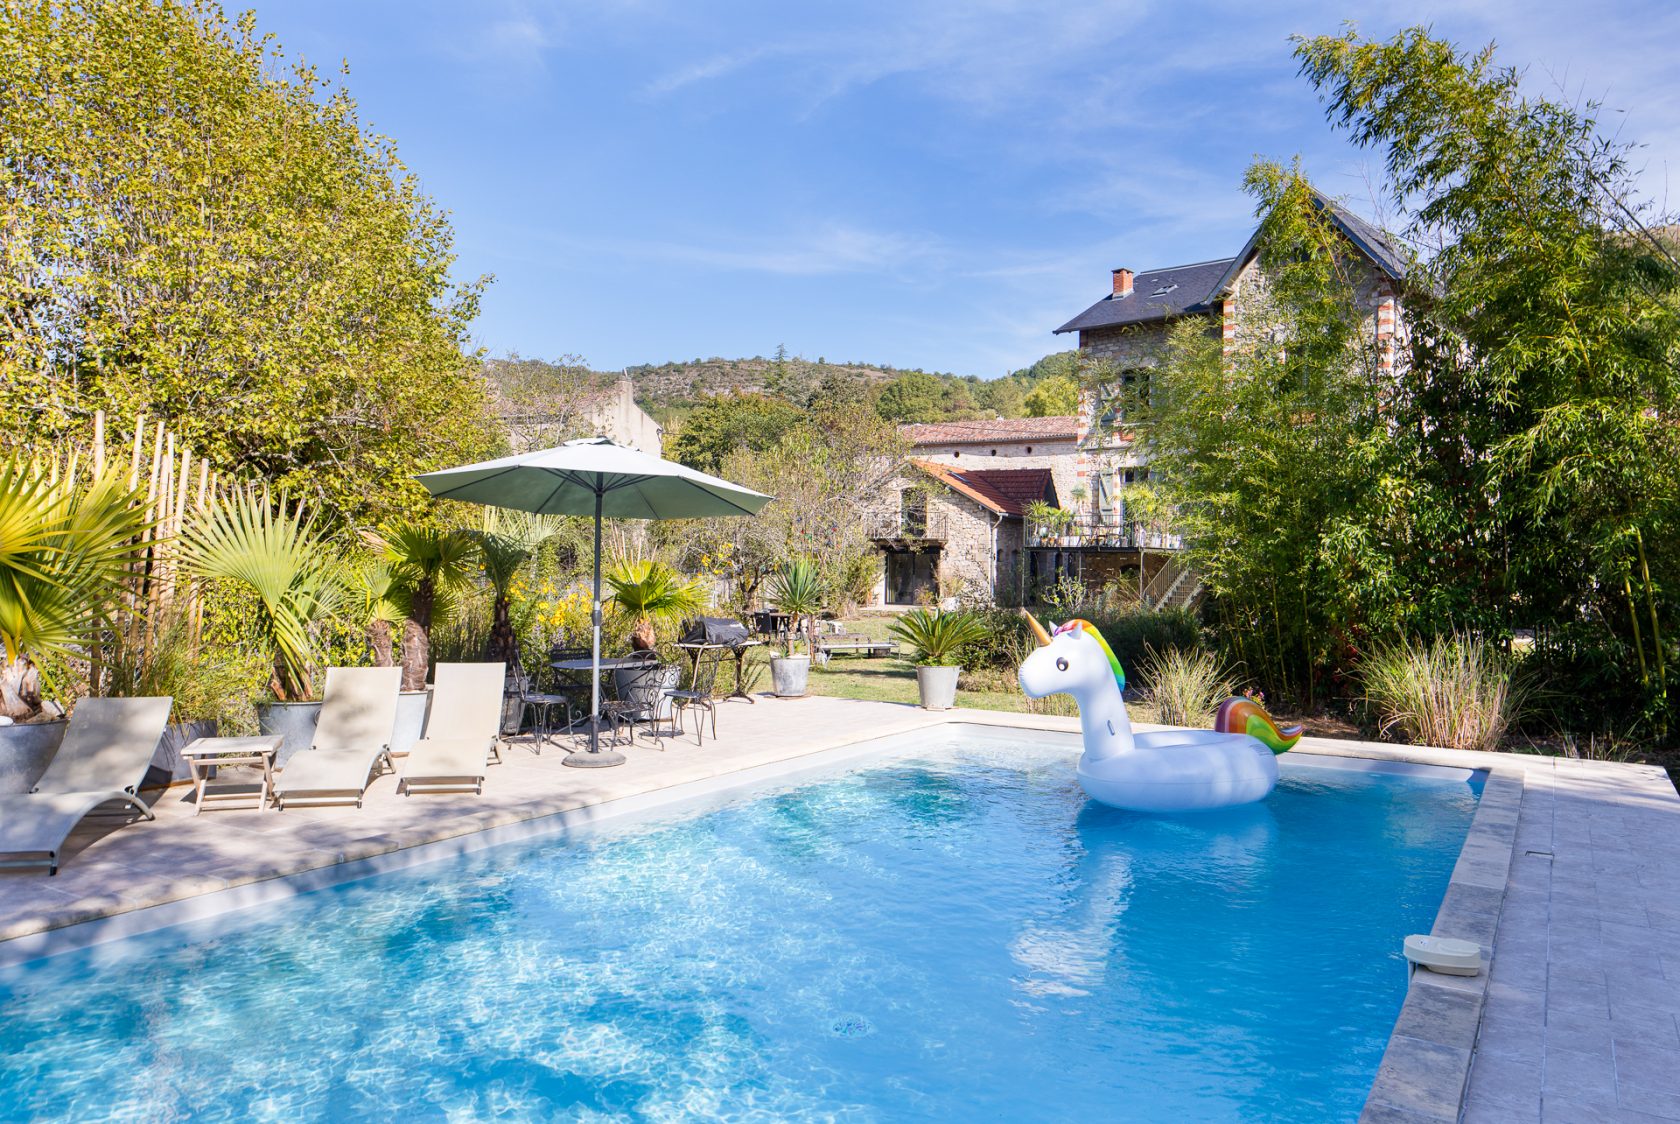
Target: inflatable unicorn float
point(1168, 771)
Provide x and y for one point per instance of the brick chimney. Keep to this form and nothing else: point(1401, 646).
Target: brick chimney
point(1122, 282)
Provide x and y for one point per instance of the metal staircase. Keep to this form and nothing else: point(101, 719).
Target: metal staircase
point(1174, 586)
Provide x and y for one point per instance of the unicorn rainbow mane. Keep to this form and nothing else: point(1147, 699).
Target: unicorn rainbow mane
point(1088, 627)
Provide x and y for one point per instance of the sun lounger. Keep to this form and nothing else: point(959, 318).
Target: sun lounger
point(461, 733)
point(106, 751)
point(353, 737)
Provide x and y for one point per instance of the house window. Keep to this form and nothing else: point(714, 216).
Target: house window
point(1134, 475)
point(912, 513)
point(956, 453)
point(994, 452)
point(1029, 450)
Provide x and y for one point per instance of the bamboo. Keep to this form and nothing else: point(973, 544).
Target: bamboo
point(1633, 619)
point(134, 462)
point(98, 443)
point(1651, 605)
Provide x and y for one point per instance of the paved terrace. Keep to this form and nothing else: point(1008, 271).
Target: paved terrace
point(1568, 873)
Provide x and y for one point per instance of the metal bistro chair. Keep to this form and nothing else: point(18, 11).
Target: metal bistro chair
point(700, 695)
point(539, 705)
point(645, 699)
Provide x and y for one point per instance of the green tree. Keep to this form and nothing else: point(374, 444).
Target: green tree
point(720, 425)
point(1056, 396)
point(914, 396)
point(193, 232)
point(1545, 404)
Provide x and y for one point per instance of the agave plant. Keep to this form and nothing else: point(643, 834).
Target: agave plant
point(651, 591)
point(937, 635)
point(506, 542)
point(284, 559)
point(430, 566)
point(65, 549)
point(797, 591)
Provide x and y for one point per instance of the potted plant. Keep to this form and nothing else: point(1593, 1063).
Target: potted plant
point(937, 637)
point(797, 591)
point(430, 568)
point(294, 574)
point(64, 554)
point(648, 591)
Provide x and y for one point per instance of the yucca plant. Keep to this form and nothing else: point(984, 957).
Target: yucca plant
point(936, 636)
point(506, 542)
point(1455, 691)
point(650, 591)
point(283, 558)
point(797, 591)
point(1186, 685)
point(431, 565)
point(65, 549)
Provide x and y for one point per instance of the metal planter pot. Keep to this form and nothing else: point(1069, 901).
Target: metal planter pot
point(413, 708)
point(790, 676)
point(26, 749)
point(167, 764)
point(938, 686)
point(293, 721)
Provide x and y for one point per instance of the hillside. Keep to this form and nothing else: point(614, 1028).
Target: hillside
point(669, 390)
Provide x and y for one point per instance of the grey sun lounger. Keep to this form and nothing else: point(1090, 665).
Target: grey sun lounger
point(352, 739)
point(107, 748)
point(461, 733)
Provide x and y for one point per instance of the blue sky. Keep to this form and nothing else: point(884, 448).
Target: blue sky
point(925, 183)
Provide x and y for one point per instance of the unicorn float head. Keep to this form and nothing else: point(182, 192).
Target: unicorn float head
point(1160, 771)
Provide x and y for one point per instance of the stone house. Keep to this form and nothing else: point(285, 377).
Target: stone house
point(1129, 328)
point(946, 530)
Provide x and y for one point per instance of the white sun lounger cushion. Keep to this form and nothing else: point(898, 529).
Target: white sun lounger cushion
point(107, 748)
point(465, 719)
point(358, 714)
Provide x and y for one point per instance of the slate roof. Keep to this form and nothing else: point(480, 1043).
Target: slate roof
point(1157, 294)
point(993, 430)
point(1192, 289)
point(1006, 491)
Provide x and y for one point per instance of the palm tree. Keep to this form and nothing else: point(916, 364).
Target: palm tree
point(380, 605)
point(290, 566)
point(430, 565)
point(650, 591)
point(64, 552)
point(507, 540)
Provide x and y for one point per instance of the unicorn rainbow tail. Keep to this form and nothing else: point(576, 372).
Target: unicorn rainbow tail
point(1245, 716)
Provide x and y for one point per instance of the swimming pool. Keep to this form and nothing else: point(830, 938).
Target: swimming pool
point(950, 932)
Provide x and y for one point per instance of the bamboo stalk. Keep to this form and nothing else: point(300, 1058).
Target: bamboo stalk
point(99, 443)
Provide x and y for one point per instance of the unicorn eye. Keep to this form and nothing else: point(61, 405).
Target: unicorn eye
point(1061, 664)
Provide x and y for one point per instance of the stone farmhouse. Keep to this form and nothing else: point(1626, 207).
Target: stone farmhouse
point(952, 519)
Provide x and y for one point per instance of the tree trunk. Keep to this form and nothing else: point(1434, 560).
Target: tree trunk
point(379, 639)
point(503, 643)
point(417, 637)
point(641, 637)
point(20, 689)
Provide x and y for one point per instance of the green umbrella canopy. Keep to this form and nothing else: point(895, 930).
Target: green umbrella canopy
point(567, 479)
point(599, 477)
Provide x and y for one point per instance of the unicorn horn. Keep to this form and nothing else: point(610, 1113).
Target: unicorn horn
point(1038, 632)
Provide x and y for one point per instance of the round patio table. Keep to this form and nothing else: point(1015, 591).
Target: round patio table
point(615, 663)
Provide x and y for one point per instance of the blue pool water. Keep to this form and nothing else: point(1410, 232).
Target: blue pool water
point(950, 934)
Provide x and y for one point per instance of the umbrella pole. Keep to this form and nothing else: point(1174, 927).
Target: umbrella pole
point(595, 625)
point(593, 757)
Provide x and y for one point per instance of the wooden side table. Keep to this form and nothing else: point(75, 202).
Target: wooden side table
point(204, 754)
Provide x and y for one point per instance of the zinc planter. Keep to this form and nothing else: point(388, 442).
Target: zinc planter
point(293, 721)
point(26, 749)
point(938, 686)
point(167, 764)
point(790, 676)
point(413, 708)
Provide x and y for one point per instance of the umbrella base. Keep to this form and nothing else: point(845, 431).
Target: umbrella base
point(583, 759)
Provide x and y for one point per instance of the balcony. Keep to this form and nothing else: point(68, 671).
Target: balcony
point(1093, 532)
point(896, 527)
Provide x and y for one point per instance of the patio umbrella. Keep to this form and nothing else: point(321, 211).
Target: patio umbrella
point(595, 476)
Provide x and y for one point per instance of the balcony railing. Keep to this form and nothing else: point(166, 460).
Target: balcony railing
point(1093, 532)
point(894, 527)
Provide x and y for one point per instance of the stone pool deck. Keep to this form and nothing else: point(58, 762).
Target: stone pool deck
point(1568, 874)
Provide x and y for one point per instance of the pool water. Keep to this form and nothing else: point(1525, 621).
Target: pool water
point(949, 934)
